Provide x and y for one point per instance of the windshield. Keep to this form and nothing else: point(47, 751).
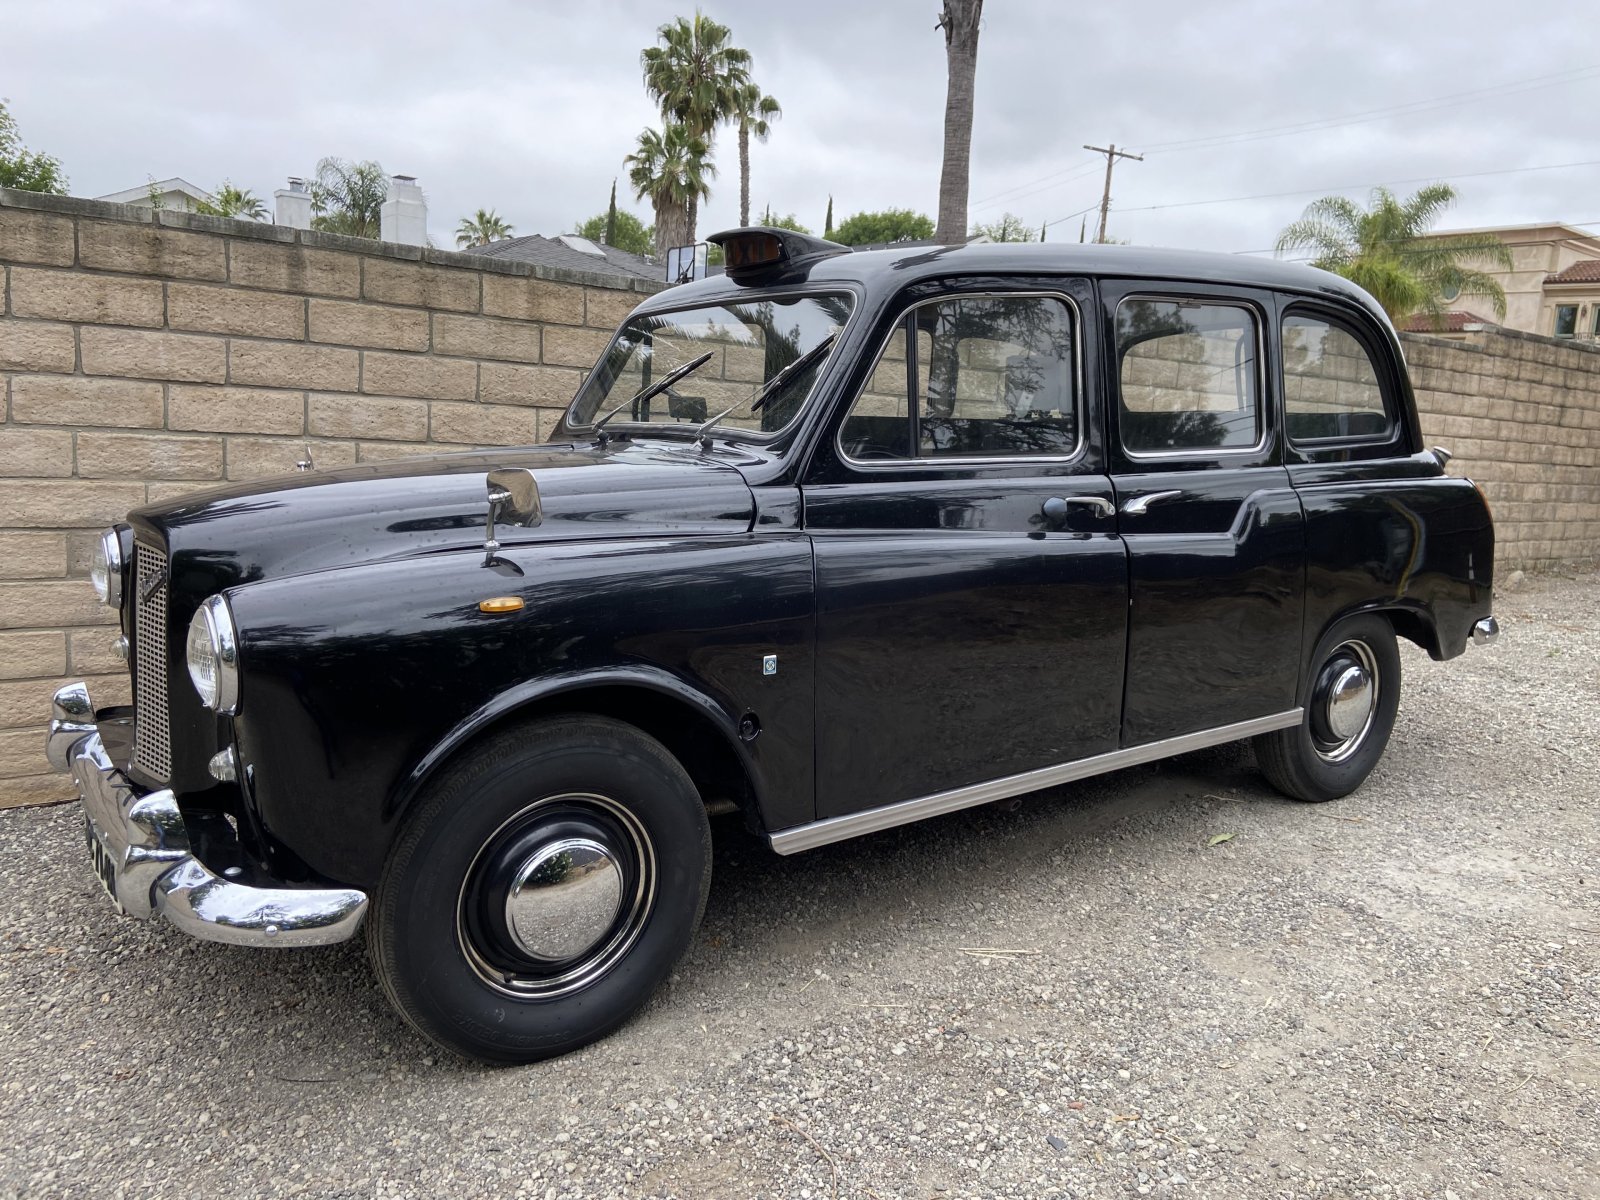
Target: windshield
point(745, 347)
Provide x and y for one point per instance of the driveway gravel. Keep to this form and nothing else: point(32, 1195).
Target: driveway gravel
point(1394, 995)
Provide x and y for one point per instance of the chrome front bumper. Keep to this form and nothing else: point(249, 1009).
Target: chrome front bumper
point(143, 837)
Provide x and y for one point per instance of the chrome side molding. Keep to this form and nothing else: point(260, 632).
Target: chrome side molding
point(872, 820)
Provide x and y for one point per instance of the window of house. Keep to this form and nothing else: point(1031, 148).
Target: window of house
point(1566, 320)
point(1596, 329)
point(1188, 376)
point(1330, 385)
point(988, 376)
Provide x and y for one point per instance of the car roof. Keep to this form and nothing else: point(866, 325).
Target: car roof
point(896, 267)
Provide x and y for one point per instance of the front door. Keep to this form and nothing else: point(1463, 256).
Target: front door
point(971, 583)
point(1214, 531)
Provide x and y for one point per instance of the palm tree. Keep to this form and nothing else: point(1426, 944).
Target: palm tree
point(1387, 250)
point(348, 198)
point(672, 170)
point(229, 201)
point(756, 114)
point(696, 76)
point(481, 229)
point(959, 20)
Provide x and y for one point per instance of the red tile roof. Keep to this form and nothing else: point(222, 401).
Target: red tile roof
point(1584, 271)
point(1454, 321)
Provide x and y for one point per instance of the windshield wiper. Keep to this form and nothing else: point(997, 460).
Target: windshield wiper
point(782, 377)
point(652, 390)
point(767, 390)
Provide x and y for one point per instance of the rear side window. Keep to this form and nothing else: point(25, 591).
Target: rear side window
point(1188, 376)
point(987, 377)
point(1331, 388)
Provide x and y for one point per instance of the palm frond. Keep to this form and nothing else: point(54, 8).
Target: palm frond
point(1427, 205)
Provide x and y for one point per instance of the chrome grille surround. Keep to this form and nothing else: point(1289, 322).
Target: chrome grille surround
point(152, 733)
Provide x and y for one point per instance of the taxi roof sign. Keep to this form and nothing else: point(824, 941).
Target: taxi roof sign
point(760, 250)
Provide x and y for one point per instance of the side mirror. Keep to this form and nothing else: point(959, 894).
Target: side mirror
point(513, 498)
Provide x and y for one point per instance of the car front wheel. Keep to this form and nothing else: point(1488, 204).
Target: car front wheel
point(1350, 698)
point(543, 889)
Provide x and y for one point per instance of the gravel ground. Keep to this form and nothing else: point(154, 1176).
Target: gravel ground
point(1395, 995)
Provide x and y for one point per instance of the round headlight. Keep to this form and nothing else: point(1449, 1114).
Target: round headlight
point(105, 568)
point(212, 653)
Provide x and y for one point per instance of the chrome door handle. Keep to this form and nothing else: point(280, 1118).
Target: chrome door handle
point(1055, 508)
point(1139, 505)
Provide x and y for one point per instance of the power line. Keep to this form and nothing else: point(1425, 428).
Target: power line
point(1051, 180)
point(1511, 87)
point(1346, 187)
point(1080, 213)
point(1308, 258)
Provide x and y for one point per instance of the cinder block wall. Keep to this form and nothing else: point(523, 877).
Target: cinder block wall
point(1521, 413)
point(143, 355)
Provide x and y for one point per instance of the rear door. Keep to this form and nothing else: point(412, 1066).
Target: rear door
point(1215, 537)
point(971, 584)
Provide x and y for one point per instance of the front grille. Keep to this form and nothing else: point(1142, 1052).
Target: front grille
point(152, 733)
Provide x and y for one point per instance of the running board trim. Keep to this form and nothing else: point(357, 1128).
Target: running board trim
point(838, 829)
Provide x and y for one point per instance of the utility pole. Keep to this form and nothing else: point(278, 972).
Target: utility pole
point(1112, 154)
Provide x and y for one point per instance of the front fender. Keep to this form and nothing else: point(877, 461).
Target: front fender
point(534, 693)
point(357, 683)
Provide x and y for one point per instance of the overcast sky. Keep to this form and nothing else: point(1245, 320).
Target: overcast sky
point(529, 108)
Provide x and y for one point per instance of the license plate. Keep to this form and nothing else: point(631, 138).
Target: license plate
point(104, 867)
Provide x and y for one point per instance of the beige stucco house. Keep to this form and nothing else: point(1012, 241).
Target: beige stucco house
point(1553, 286)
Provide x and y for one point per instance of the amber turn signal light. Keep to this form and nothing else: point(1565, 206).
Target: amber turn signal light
point(500, 604)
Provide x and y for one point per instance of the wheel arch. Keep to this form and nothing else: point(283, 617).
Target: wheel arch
point(1417, 626)
point(697, 731)
point(1410, 619)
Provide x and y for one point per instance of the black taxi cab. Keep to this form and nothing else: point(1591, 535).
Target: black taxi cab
point(839, 540)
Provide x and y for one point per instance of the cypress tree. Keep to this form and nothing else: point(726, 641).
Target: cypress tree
point(611, 217)
point(827, 226)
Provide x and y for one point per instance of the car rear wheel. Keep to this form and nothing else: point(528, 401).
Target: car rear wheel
point(544, 888)
point(1350, 698)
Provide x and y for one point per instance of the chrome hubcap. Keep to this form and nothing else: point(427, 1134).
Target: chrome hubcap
point(1345, 701)
point(563, 899)
point(556, 896)
point(1349, 702)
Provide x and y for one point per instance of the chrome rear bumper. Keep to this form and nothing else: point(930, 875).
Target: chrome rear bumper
point(155, 870)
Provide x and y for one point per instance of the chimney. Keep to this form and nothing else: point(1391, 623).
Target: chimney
point(405, 213)
point(292, 205)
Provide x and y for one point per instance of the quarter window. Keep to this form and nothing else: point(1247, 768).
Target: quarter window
point(990, 376)
point(1188, 376)
point(1330, 385)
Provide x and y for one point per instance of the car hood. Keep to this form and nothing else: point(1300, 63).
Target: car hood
point(314, 520)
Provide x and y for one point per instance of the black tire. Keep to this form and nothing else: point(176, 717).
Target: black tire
point(441, 933)
point(1311, 761)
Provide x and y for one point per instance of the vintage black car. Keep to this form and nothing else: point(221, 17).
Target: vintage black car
point(839, 540)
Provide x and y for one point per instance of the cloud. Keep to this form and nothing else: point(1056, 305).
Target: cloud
point(529, 108)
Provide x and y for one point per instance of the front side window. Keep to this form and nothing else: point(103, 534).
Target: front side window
point(1188, 376)
point(1566, 320)
point(761, 359)
point(1330, 385)
point(988, 377)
